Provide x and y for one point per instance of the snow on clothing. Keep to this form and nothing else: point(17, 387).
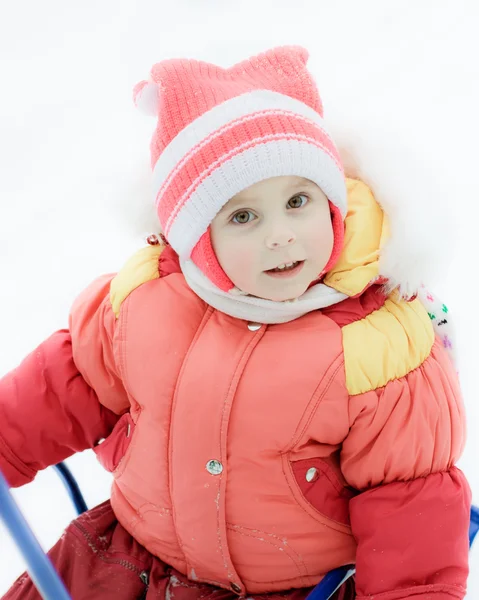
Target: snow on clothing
point(99, 560)
point(333, 436)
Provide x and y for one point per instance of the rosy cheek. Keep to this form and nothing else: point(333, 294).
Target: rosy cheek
point(245, 263)
point(244, 258)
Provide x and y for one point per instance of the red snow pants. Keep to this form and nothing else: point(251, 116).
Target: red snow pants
point(98, 560)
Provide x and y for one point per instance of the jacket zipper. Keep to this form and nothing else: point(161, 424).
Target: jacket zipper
point(142, 574)
point(145, 578)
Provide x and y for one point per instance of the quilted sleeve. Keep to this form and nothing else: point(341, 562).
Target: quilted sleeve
point(94, 332)
point(411, 518)
point(47, 411)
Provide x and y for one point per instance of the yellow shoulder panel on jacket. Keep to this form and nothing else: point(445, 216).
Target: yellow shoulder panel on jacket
point(140, 268)
point(386, 345)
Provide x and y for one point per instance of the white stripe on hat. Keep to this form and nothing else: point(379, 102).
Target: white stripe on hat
point(301, 157)
point(220, 117)
point(225, 157)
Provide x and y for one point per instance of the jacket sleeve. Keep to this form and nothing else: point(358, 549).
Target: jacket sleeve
point(96, 344)
point(411, 517)
point(47, 411)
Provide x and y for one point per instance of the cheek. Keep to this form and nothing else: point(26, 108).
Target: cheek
point(242, 264)
point(236, 258)
point(321, 238)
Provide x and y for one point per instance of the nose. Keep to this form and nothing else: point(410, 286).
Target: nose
point(279, 238)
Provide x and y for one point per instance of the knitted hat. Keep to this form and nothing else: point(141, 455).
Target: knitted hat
point(221, 130)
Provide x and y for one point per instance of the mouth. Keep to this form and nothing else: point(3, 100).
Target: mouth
point(286, 270)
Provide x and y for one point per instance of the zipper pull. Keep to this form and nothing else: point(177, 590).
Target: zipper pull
point(145, 578)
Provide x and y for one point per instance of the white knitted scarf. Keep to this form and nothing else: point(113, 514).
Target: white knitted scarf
point(258, 310)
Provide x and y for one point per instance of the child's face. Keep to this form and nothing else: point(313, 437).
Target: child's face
point(274, 222)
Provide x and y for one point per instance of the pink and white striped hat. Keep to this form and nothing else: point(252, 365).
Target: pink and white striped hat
point(221, 130)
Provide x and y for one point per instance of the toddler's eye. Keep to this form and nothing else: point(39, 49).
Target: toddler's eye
point(242, 217)
point(297, 201)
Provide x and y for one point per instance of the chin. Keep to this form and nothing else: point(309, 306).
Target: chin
point(285, 296)
point(283, 293)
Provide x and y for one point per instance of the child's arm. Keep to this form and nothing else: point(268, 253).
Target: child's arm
point(66, 395)
point(47, 411)
point(411, 518)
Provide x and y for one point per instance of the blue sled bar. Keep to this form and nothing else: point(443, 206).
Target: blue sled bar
point(331, 582)
point(72, 487)
point(39, 566)
point(474, 526)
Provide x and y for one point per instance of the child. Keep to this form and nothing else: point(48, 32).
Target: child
point(275, 402)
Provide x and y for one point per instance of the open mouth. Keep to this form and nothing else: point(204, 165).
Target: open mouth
point(286, 270)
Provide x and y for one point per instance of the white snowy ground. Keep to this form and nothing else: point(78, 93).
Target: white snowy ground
point(74, 153)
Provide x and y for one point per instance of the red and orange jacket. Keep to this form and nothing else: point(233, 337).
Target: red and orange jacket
point(260, 458)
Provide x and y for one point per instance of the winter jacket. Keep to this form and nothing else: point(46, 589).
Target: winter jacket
point(258, 457)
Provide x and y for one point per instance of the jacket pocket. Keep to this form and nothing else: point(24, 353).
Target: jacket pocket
point(113, 449)
point(320, 490)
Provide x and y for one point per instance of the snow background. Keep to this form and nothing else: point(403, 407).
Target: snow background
point(75, 162)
